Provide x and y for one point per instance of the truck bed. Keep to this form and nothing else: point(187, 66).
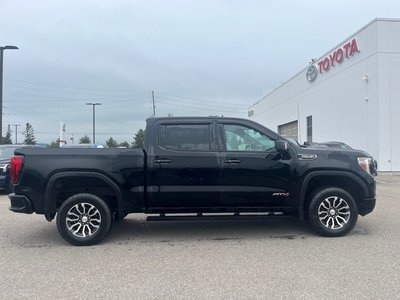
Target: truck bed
point(124, 167)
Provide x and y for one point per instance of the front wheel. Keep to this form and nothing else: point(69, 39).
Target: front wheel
point(84, 219)
point(332, 212)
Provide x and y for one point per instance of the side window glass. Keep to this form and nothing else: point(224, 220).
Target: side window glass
point(241, 138)
point(186, 137)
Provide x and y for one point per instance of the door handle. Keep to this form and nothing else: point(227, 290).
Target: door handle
point(233, 161)
point(162, 161)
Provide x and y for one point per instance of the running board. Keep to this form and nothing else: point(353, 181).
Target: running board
point(200, 216)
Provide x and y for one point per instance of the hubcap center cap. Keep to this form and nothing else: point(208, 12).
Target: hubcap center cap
point(85, 219)
point(332, 212)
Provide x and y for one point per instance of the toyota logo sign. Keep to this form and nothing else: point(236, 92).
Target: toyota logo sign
point(312, 73)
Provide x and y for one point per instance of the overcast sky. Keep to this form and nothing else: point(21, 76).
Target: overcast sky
point(204, 57)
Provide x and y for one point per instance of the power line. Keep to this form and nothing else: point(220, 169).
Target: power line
point(47, 106)
point(114, 95)
point(205, 104)
point(65, 98)
point(65, 86)
point(171, 97)
point(41, 111)
point(200, 107)
point(113, 104)
point(55, 91)
point(11, 110)
point(131, 101)
point(202, 100)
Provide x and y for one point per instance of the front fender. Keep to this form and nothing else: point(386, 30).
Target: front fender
point(313, 174)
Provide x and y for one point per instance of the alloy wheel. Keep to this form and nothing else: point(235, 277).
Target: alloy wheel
point(83, 220)
point(334, 212)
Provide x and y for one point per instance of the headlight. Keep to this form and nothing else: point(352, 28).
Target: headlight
point(364, 163)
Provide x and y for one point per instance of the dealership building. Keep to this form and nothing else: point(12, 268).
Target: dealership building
point(350, 94)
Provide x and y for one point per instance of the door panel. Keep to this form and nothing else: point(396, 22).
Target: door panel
point(253, 174)
point(183, 170)
point(258, 180)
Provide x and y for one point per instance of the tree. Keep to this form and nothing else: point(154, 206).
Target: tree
point(6, 140)
point(85, 140)
point(124, 144)
point(29, 135)
point(138, 140)
point(111, 143)
point(55, 144)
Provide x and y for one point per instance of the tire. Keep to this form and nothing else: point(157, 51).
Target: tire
point(332, 212)
point(84, 220)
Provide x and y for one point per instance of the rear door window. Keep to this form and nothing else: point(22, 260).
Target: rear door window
point(186, 137)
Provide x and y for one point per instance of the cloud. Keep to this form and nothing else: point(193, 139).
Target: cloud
point(200, 57)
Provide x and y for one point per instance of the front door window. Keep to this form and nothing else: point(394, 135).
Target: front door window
point(241, 138)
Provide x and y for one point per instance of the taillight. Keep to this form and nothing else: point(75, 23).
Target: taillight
point(16, 166)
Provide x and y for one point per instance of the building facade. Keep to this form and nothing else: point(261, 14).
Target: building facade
point(350, 94)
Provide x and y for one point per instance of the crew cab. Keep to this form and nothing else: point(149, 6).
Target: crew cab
point(197, 166)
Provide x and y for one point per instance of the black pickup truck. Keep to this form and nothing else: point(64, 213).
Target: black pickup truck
point(200, 167)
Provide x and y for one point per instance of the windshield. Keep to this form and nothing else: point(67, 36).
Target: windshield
point(292, 140)
point(338, 145)
point(6, 152)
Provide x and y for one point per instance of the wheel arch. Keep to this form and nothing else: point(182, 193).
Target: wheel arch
point(50, 204)
point(340, 179)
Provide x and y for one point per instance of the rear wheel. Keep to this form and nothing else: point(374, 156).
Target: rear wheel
point(332, 212)
point(84, 219)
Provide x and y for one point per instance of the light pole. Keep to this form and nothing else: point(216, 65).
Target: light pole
point(94, 119)
point(1, 86)
point(16, 132)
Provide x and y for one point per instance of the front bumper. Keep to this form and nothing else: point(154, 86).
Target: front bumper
point(20, 204)
point(367, 206)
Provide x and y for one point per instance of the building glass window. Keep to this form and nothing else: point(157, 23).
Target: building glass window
point(289, 129)
point(309, 129)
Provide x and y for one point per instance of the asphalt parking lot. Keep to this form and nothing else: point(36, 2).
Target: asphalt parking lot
point(277, 258)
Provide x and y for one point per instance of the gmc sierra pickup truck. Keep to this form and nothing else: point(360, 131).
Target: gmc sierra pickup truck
point(200, 167)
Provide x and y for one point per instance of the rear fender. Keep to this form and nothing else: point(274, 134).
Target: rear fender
point(49, 203)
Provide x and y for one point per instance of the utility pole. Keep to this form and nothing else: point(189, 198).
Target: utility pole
point(94, 119)
point(61, 140)
point(1, 87)
point(154, 104)
point(16, 132)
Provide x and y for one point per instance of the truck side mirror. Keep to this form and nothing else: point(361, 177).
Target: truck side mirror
point(282, 146)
